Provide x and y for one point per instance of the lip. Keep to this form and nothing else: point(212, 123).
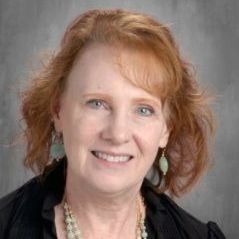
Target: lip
point(111, 165)
point(113, 153)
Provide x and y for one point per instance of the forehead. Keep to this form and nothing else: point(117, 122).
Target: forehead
point(138, 67)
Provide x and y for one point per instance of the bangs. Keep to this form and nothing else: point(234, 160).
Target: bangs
point(141, 67)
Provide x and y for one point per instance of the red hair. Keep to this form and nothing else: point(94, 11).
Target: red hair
point(186, 106)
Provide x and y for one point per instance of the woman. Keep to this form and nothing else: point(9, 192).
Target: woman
point(116, 101)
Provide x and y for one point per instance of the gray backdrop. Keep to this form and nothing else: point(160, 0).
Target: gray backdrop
point(208, 33)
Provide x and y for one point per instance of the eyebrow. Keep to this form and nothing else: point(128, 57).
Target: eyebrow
point(102, 95)
point(144, 100)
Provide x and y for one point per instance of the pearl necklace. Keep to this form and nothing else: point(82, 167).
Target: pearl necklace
point(73, 231)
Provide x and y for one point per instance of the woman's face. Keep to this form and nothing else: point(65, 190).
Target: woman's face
point(111, 129)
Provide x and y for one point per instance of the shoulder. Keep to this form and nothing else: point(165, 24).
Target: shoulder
point(189, 223)
point(176, 219)
point(27, 211)
point(15, 205)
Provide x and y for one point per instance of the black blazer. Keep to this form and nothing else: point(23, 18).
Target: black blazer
point(28, 212)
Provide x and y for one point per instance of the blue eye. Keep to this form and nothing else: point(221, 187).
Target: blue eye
point(145, 111)
point(95, 103)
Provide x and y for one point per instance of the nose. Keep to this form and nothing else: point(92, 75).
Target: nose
point(117, 130)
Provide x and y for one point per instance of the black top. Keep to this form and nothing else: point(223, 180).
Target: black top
point(28, 212)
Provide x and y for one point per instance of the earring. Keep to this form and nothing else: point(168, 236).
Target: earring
point(163, 163)
point(57, 150)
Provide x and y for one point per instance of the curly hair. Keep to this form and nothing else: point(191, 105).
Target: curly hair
point(189, 116)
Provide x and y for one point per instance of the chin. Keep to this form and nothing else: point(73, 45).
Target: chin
point(111, 186)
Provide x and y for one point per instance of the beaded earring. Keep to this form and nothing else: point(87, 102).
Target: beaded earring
point(57, 150)
point(163, 163)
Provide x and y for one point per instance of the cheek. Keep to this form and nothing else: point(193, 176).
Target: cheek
point(154, 129)
point(79, 129)
point(148, 140)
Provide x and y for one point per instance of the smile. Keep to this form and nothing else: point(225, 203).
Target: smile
point(111, 158)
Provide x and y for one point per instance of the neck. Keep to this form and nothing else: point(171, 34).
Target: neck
point(102, 215)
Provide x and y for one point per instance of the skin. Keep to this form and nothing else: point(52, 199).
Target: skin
point(101, 110)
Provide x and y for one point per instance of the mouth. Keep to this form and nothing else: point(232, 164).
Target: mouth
point(113, 158)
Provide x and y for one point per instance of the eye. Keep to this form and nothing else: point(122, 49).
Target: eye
point(145, 111)
point(96, 103)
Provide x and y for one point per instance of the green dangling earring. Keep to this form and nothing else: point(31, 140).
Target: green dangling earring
point(57, 150)
point(163, 163)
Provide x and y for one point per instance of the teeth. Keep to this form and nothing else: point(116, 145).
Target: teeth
point(111, 158)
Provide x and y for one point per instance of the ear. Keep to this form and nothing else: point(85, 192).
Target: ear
point(56, 117)
point(164, 136)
